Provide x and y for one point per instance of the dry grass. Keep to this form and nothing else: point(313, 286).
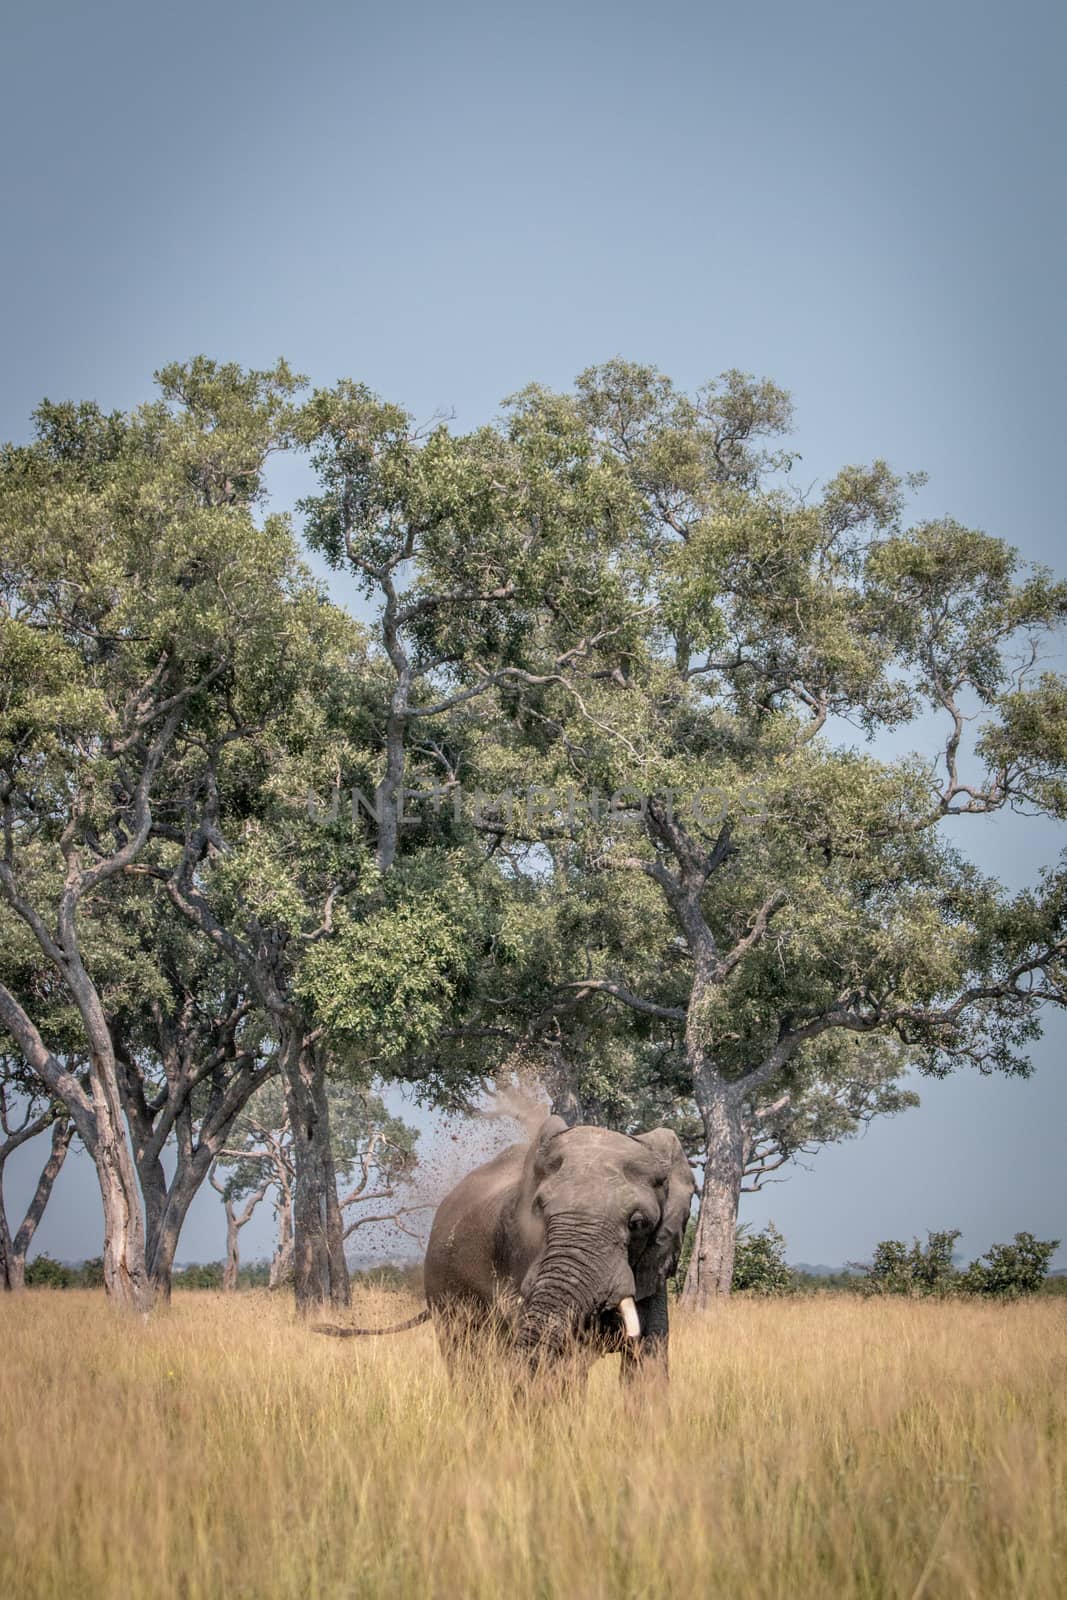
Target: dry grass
point(824, 1447)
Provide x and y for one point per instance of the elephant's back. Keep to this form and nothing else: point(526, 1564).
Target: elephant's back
point(462, 1249)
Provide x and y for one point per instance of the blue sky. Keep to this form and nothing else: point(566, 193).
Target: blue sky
point(865, 203)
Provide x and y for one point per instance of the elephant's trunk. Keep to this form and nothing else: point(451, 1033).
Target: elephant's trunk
point(583, 1270)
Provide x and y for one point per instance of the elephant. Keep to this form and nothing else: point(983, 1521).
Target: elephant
point(566, 1242)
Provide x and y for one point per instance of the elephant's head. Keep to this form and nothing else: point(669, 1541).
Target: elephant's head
point(604, 1215)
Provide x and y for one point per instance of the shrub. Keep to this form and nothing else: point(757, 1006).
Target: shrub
point(1010, 1270)
point(759, 1265)
point(1006, 1270)
point(199, 1275)
point(45, 1273)
point(405, 1275)
point(898, 1268)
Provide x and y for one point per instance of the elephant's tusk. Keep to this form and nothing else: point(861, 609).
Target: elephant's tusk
point(630, 1320)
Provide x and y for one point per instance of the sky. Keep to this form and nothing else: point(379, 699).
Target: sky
point(864, 202)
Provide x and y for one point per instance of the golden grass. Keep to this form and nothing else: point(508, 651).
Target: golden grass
point(822, 1447)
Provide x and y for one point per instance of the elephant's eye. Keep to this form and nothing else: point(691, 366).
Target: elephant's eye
point(639, 1222)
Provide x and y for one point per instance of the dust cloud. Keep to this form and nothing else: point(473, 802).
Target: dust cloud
point(510, 1113)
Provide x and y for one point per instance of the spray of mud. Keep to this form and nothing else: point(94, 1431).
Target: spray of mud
point(509, 1113)
point(519, 1100)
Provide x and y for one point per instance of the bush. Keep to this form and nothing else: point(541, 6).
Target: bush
point(759, 1265)
point(1005, 1271)
point(256, 1275)
point(45, 1273)
point(405, 1275)
point(898, 1268)
point(198, 1275)
point(846, 1281)
point(1010, 1270)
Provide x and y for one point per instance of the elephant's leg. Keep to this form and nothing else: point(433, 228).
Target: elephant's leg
point(557, 1381)
point(464, 1335)
point(646, 1356)
point(477, 1346)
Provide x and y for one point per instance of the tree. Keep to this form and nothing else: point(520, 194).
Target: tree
point(260, 1162)
point(769, 888)
point(373, 1155)
point(139, 601)
point(266, 884)
point(615, 594)
point(235, 1221)
point(457, 540)
point(191, 1049)
point(37, 1114)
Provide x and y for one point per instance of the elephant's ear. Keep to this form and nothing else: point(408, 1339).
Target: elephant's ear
point(660, 1256)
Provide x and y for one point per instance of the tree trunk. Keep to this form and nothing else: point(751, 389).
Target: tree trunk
point(560, 1079)
point(711, 1266)
point(126, 1277)
point(233, 1252)
point(12, 1270)
point(13, 1252)
point(166, 1224)
point(98, 1117)
point(153, 1184)
point(320, 1272)
point(281, 1266)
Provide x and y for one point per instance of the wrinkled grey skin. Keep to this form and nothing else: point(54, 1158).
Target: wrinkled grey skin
point(539, 1245)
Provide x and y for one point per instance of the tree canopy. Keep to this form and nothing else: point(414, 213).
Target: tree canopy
point(597, 786)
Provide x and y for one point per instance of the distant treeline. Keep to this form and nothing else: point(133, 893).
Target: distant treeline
point(46, 1273)
point(1006, 1271)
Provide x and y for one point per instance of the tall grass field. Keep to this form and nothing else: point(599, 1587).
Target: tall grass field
point(827, 1446)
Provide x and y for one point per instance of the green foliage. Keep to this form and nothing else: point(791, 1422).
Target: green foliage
point(843, 1282)
point(43, 1272)
point(147, 614)
point(760, 1266)
point(1007, 1271)
point(391, 1275)
point(199, 1275)
point(391, 976)
point(916, 1269)
point(612, 591)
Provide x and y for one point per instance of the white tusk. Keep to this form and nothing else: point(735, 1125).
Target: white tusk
point(630, 1320)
